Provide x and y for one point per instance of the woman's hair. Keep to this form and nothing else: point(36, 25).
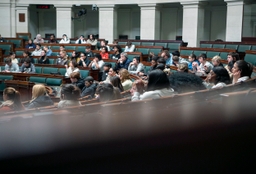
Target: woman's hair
point(235, 57)
point(203, 55)
point(193, 56)
point(183, 67)
point(27, 52)
point(14, 96)
point(245, 68)
point(98, 56)
point(125, 74)
point(93, 37)
point(161, 61)
point(75, 64)
point(105, 91)
point(75, 75)
point(216, 59)
point(70, 92)
point(157, 79)
point(116, 82)
point(129, 43)
point(77, 54)
point(221, 75)
point(105, 48)
point(137, 58)
point(118, 48)
point(139, 85)
point(37, 91)
point(89, 79)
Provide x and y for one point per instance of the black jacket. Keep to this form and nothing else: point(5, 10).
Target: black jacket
point(79, 84)
point(41, 101)
point(89, 90)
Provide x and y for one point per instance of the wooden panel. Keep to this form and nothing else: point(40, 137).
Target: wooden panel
point(21, 17)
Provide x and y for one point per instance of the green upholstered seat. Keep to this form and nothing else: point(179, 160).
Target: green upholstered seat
point(80, 48)
point(72, 41)
point(243, 48)
point(52, 61)
point(16, 43)
point(146, 69)
point(143, 50)
point(173, 46)
point(131, 56)
point(198, 52)
point(69, 54)
point(55, 53)
point(230, 46)
point(161, 44)
point(250, 58)
point(24, 37)
point(53, 82)
point(156, 51)
point(218, 46)
point(122, 43)
point(186, 52)
point(38, 70)
point(147, 43)
point(55, 47)
point(84, 73)
point(62, 71)
point(49, 70)
point(19, 53)
point(211, 54)
point(204, 45)
point(3, 78)
point(37, 79)
point(253, 47)
point(224, 55)
point(70, 47)
point(35, 60)
point(6, 48)
point(136, 43)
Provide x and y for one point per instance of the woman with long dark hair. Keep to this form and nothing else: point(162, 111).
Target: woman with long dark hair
point(12, 101)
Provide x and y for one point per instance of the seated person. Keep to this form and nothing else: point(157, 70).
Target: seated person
point(97, 63)
point(63, 59)
point(43, 59)
point(75, 56)
point(62, 48)
point(88, 52)
point(183, 67)
point(106, 68)
point(114, 43)
point(123, 62)
point(30, 45)
point(217, 78)
point(69, 95)
point(158, 86)
point(129, 47)
point(13, 57)
point(39, 97)
point(161, 64)
point(185, 82)
point(89, 88)
point(12, 101)
point(76, 80)
point(242, 71)
point(47, 50)
point(232, 58)
point(116, 82)
point(26, 54)
point(1, 39)
point(81, 40)
point(64, 39)
point(181, 60)
point(105, 92)
point(167, 56)
point(73, 67)
point(125, 79)
point(38, 39)
point(104, 52)
point(52, 39)
point(27, 66)
point(37, 51)
point(137, 86)
point(192, 59)
point(112, 72)
point(104, 43)
point(84, 61)
point(205, 67)
point(92, 40)
point(153, 66)
point(135, 67)
point(175, 60)
point(216, 61)
point(117, 51)
point(11, 67)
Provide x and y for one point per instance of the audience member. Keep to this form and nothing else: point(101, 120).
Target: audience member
point(181, 60)
point(62, 60)
point(27, 54)
point(76, 56)
point(123, 62)
point(89, 88)
point(69, 96)
point(242, 71)
point(76, 80)
point(116, 82)
point(97, 63)
point(216, 61)
point(125, 79)
point(161, 64)
point(153, 66)
point(27, 66)
point(112, 72)
point(40, 97)
point(104, 43)
point(205, 67)
point(84, 61)
point(43, 59)
point(232, 58)
point(10, 66)
point(81, 40)
point(168, 57)
point(52, 39)
point(64, 39)
point(92, 40)
point(192, 60)
point(73, 67)
point(1, 38)
point(158, 86)
point(48, 51)
point(62, 48)
point(175, 60)
point(117, 51)
point(30, 45)
point(106, 68)
point(186, 82)
point(105, 92)
point(88, 52)
point(37, 51)
point(129, 47)
point(12, 101)
point(13, 57)
point(38, 39)
point(182, 67)
point(137, 86)
point(135, 66)
point(104, 52)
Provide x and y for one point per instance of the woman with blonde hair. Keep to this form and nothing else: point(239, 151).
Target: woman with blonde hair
point(39, 97)
point(12, 100)
point(125, 79)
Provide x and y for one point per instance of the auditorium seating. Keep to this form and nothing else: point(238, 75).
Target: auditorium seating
point(6, 47)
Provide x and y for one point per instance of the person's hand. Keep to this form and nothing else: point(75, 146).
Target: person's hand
point(236, 76)
point(66, 66)
point(131, 63)
point(140, 74)
point(206, 68)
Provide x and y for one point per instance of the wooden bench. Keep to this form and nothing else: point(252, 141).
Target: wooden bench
point(6, 47)
point(18, 42)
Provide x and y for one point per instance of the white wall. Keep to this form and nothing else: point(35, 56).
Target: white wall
point(218, 22)
point(33, 23)
point(5, 20)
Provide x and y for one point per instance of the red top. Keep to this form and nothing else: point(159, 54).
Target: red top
point(5, 109)
point(104, 55)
